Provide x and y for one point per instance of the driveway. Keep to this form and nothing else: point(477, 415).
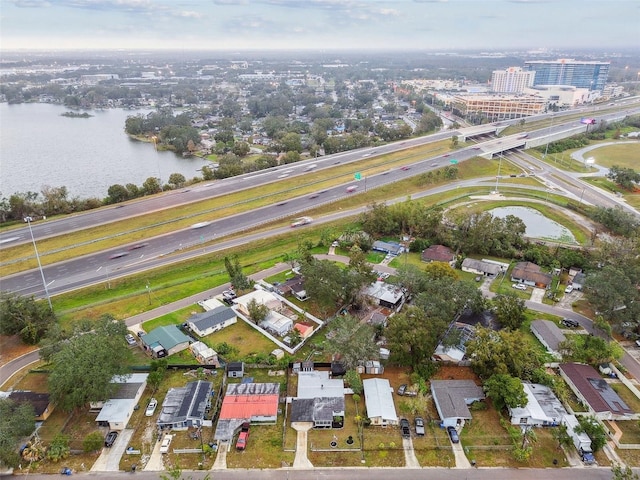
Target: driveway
point(155, 462)
point(410, 460)
point(537, 294)
point(461, 459)
point(221, 458)
point(109, 459)
point(301, 460)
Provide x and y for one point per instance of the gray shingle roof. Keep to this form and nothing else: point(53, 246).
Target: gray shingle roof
point(204, 321)
point(452, 396)
point(549, 332)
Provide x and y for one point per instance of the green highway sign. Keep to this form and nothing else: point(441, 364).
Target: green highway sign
point(453, 161)
point(357, 176)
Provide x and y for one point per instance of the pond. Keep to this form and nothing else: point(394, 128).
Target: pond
point(538, 226)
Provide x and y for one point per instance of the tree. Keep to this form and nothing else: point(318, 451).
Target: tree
point(352, 340)
point(627, 178)
point(589, 349)
point(509, 310)
point(439, 271)
point(93, 442)
point(25, 316)
point(505, 391)
point(238, 279)
point(151, 185)
point(352, 378)
point(85, 364)
point(177, 180)
point(412, 337)
point(613, 293)
point(594, 430)
point(504, 352)
point(16, 422)
point(257, 311)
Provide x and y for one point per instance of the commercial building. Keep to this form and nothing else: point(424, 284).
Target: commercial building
point(498, 107)
point(583, 74)
point(511, 80)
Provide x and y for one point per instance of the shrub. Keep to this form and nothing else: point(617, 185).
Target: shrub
point(92, 442)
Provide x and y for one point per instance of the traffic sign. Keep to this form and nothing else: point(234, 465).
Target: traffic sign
point(357, 176)
point(453, 161)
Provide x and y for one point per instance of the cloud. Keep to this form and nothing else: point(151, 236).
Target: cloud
point(32, 3)
point(189, 14)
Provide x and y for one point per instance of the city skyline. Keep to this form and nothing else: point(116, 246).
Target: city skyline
point(317, 24)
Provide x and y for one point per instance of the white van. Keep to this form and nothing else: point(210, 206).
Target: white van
point(166, 441)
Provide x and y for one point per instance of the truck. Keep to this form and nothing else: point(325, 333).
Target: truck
point(581, 441)
point(243, 437)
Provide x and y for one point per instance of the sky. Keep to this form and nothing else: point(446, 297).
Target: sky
point(318, 24)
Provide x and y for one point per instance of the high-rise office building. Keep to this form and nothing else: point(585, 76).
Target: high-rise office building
point(578, 73)
point(511, 80)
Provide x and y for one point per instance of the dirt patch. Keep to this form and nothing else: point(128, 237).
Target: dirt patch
point(12, 347)
point(451, 372)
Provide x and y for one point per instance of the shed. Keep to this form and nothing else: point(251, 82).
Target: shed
point(204, 354)
point(278, 353)
point(235, 369)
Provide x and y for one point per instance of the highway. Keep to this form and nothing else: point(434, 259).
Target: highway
point(103, 267)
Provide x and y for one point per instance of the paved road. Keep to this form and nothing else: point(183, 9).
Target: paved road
point(590, 473)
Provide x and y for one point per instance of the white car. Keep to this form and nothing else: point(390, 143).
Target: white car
point(569, 289)
point(519, 286)
point(151, 408)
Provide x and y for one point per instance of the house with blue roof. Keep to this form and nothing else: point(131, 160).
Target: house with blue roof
point(164, 341)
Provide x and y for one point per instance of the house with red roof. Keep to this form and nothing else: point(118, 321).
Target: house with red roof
point(439, 253)
point(247, 402)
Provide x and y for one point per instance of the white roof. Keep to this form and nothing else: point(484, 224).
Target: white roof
point(261, 297)
point(116, 410)
point(210, 304)
point(532, 409)
point(317, 384)
point(378, 399)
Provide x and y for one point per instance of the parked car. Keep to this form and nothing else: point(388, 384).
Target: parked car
point(151, 408)
point(243, 437)
point(453, 434)
point(404, 427)
point(569, 289)
point(419, 424)
point(403, 390)
point(131, 340)
point(567, 322)
point(519, 286)
point(110, 439)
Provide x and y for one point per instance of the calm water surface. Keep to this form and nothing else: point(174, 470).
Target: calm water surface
point(87, 155)
point(538, 226)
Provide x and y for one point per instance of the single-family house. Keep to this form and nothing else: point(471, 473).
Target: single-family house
point(185, 407)
point(235, 369)
point(549, 335)
point(452, 348)
point(262, 297)
point(480, 267)
point(117, 410)
point(438, 253)
point(452, 399)
point(578, 281)
point(594, 392)
point(304, 329)
point(530, 274)
point(206, 323)
point(204, 354)
point(294, 286)
point(391, 248)
point(386, 295)
point(276, 323)
point(379, 402)
point(543, 409)
point(247, 402)
point(40, 402)
point(320, 400)
point(165, 341)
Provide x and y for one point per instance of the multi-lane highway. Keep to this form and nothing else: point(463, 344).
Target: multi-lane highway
point(153, 252)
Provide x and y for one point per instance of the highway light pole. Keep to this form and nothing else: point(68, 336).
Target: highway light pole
point(35, 248)
point(546, 149)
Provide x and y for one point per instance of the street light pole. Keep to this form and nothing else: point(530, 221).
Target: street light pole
point(35, 248)
point(546, 149)
point(498, 176)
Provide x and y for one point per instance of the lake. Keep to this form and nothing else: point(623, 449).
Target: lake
point(87, 155)
point(538, 226)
